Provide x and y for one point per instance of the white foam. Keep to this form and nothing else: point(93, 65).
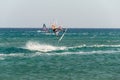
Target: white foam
point(105, 46)
point(96, 45)
point(39, 31)
point(3, 56)
point(42, 47)
point(85, 33)
point(74, 53)
point(12, 55)
point(36, 46)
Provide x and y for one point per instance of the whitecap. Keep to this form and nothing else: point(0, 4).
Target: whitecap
point(42, 47)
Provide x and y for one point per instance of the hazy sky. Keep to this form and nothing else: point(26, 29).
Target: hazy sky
point(68, 13)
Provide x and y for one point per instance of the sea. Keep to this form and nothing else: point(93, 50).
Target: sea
point(82, 54)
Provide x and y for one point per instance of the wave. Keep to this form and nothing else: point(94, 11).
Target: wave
point(104, 46)
point(11, 54)
point(32, 49)
point(8, 50)
point(3, 56)
point(78, 53)
point(36, 54)
point(23, 55)
point(47, 48)
point(42, 47)
point(39, 31)
point(95, 46)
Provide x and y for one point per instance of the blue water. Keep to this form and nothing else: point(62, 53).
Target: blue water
point(83, 54)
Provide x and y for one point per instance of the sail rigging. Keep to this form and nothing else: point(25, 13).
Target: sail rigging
point(44, 28)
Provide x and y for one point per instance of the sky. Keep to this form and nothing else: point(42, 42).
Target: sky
point(67, 13)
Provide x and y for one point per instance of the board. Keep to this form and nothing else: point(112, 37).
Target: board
point(62, 35)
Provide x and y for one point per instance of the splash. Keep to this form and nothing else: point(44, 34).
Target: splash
point(36, 46)
point(42, 47)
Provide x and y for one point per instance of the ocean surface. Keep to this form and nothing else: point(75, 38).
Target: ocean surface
point(82, 54)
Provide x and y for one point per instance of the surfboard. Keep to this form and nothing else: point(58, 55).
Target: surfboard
point(62, 35)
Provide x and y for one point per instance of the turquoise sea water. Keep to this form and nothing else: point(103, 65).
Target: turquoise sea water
point(83, 54)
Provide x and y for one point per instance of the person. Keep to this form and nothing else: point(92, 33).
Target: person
point(45, 29)
point(56, 30)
